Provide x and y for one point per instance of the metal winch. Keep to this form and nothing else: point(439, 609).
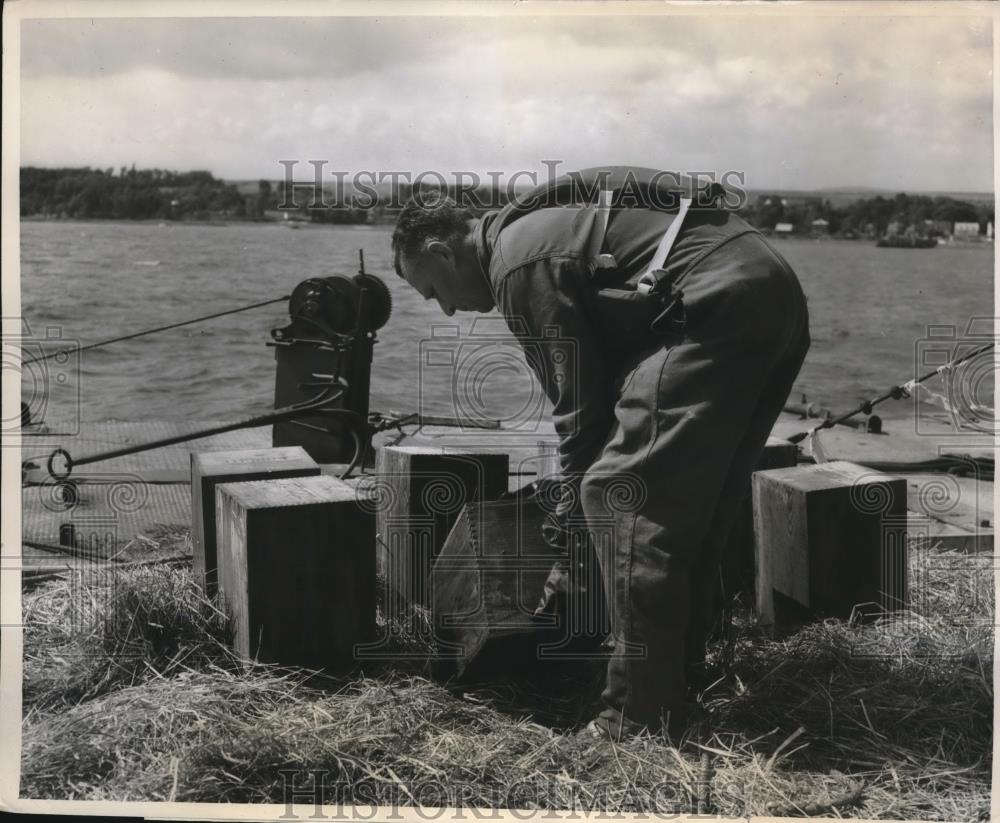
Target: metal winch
point(330, 338)
point(324, 360)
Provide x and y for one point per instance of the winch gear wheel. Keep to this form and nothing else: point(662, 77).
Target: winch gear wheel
point(379, 305)
point(331, 304)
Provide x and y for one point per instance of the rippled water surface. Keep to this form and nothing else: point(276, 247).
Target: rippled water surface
point(870, 308)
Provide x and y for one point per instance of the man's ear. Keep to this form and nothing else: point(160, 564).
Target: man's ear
point(440, 248)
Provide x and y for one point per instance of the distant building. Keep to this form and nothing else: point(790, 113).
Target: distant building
point(820, 226)
point(892, 229)
point(802, 200)
point(966, 230)
point(941, 227)
point(783, 228)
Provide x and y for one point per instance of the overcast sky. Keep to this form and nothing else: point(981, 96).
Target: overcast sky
point(804, 102)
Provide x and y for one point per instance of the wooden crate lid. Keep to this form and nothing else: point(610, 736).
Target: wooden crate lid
point(289, 491)
point(247, 461)
point(836, 474)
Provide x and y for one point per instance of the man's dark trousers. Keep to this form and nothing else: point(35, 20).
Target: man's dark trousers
point(691, 420)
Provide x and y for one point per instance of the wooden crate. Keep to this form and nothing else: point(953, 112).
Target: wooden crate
point(830, 537)
point(486, 584)
point(209, 469)
point(297, 570)
point(421, 492)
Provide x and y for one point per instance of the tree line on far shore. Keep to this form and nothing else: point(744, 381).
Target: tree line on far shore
point(869, 217)
point(158, 194)
point(130, 194)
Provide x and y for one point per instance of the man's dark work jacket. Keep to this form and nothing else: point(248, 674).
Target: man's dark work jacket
point(537, 263)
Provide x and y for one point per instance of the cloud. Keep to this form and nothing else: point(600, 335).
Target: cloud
point(804, 102)
point(251, 48)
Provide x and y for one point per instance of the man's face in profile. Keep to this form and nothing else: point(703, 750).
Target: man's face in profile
point(440, 273)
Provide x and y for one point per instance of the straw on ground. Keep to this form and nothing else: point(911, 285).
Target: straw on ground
point(130, 693)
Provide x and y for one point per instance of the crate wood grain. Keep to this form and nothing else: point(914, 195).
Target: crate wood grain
point(488, 580)
point(829, 537)
point(423, 490)
point(297, 570)
point(209, 469)
point(738, 556)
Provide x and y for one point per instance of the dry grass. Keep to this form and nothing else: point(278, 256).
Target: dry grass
point(101, 631)
point(891, 719)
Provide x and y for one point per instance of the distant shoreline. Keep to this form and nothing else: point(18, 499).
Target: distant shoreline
point(776, 238)
point(152, 221)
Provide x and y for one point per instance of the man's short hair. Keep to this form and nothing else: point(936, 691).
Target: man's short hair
point(427, 214)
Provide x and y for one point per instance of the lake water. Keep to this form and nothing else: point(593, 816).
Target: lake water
point(870, 309)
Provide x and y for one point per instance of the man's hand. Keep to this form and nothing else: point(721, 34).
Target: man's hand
point(565, 578)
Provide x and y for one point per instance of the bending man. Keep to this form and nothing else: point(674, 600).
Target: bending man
point(678, 334)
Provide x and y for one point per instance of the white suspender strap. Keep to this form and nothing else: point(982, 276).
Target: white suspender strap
point(602, 214)
point(647, 282)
